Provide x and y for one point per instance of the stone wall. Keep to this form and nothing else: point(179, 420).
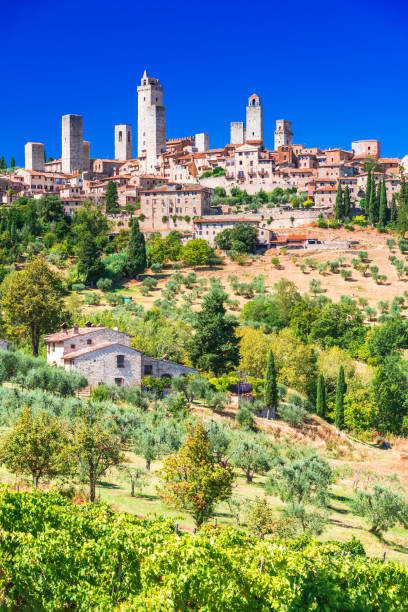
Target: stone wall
point(162, 368)
point(34, 156)
point(237, 132)
point(101, 366)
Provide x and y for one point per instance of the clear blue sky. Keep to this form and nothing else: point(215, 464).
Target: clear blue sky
point(337, 70)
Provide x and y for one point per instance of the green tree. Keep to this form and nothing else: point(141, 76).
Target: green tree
point(383, 507)
point(197, 252)
point(260, 518)
point(383, 207)
point(191, 478)
point(340, 391)
point(374, 205)
point(214, 346)
point(321, 397)
point(89, 263)
point(389, 390)
point(271, 387)
point(367, 199)
point(111, 198)
point(339, 205)
point(12, 163)
point(136, 251)
point(393, 209)
point(95, 447)
point(32, 302)
point(38, 445)
point(347, 203)
point(251, 456)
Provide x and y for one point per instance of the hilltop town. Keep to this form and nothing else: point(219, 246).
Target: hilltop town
point(175, 184)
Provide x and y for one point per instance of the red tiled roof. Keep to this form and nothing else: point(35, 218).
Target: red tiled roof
point(71, 333)
point(91, 348)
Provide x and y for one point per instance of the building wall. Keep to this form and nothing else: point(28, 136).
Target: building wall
point(101, 366)
point(370, 148)
point(72, 137)
point(56, 350)
point(34, 156)
point(202, 142)
point(86, 161)
point(283, 133)
point(159, 208)
point(161, 368)
point(237, 132)
point(123, 142)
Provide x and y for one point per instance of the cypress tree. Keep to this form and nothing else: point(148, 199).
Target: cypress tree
point(111, 198)
point(393, 211)
point(340, 391)
point(368, 195)
point(338, 207)
point(402, 214)
point(270, 387)
point(88, 257)
point(383, 212)
point(321, 397)
point(136, 251)
point(346, 202)
point(3, 164)
point(12, 163)
point(373, 203)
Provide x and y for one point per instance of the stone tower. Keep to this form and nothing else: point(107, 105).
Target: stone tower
point(86, 161)
point(34, 156)
point(283, 133)
point(72, 147)
point(151, 129)
point(237, 132)
point(202, 142)
point(254, 119)
point(123, 142)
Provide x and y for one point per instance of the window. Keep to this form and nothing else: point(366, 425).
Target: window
point(148, 370)
point(120, 136)
point(72, 345)
point(53, 346)
point(89, 341)
point(120, 361)
point(118, 382)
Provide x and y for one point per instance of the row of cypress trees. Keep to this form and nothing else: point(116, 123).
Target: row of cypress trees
point(376, 206)
point(342, 205)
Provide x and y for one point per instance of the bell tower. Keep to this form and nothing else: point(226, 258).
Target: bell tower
point(254, 119)
point(151, 129)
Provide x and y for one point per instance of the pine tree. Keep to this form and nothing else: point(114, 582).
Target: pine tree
point(12, 163)
point(270, 388)
point(88, 257)
point(136, 251)
point(347, 204)
point(368, 195)
point(383, 212)
point(393, 210)
point(339, 206)
point(111, 198)
point(321, 397)
point(340, 391)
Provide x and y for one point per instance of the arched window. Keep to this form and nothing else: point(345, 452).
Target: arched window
point(120, 136)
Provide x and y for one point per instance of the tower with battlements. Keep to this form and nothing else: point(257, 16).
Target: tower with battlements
point(123, 142)
point(151, 129)
point(283, 133)
point(254, 119)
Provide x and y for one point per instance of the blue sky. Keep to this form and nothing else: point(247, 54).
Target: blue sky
point(337, 70)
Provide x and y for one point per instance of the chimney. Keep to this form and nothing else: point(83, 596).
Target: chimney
point(64, 328)
point(75, 328)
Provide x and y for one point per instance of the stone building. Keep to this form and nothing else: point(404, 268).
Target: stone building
point(366, 148)
point(151, 129)
point(254, 119)
point(123, 142)
point(173, 206)
point(86, 160)
point(202, 142)
point(34, 156)
point(283, 133)
point(237, 136)
point(72, 144)
point(105, 355)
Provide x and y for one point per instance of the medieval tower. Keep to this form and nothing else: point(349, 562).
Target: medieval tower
point(254, 119)
point(283, 133)
point(123, 142)
point(72, 144)
point(151, 129)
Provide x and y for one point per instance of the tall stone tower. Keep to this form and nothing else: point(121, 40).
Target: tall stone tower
point(202, 142)
point(86, 161)
point(254, 119)
point(237, 132)
point(151, 129)
point(283, 133)
point(123, 142)
point(72, 147)
point(34, 156)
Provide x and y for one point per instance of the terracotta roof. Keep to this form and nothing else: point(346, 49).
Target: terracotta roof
point(71, 333)
point(91, 348)
point(226, 219)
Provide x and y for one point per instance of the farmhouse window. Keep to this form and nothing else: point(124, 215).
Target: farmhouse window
point(148, 369)
point(120, 361)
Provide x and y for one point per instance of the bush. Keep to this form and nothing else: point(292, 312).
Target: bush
point(92, 299)
point(113, 299)
point(104, 284)
point(245, 417)
point(78, 287)
point(292, 414)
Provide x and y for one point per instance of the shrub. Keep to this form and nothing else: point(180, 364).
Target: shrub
point(78, 287)
point(292, 414)
point(104, 284)
point(92, 299)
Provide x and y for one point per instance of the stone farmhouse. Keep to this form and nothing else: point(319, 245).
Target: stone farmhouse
point(104, 355)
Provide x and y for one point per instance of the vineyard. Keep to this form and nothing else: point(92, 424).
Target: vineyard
point(56, 555)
